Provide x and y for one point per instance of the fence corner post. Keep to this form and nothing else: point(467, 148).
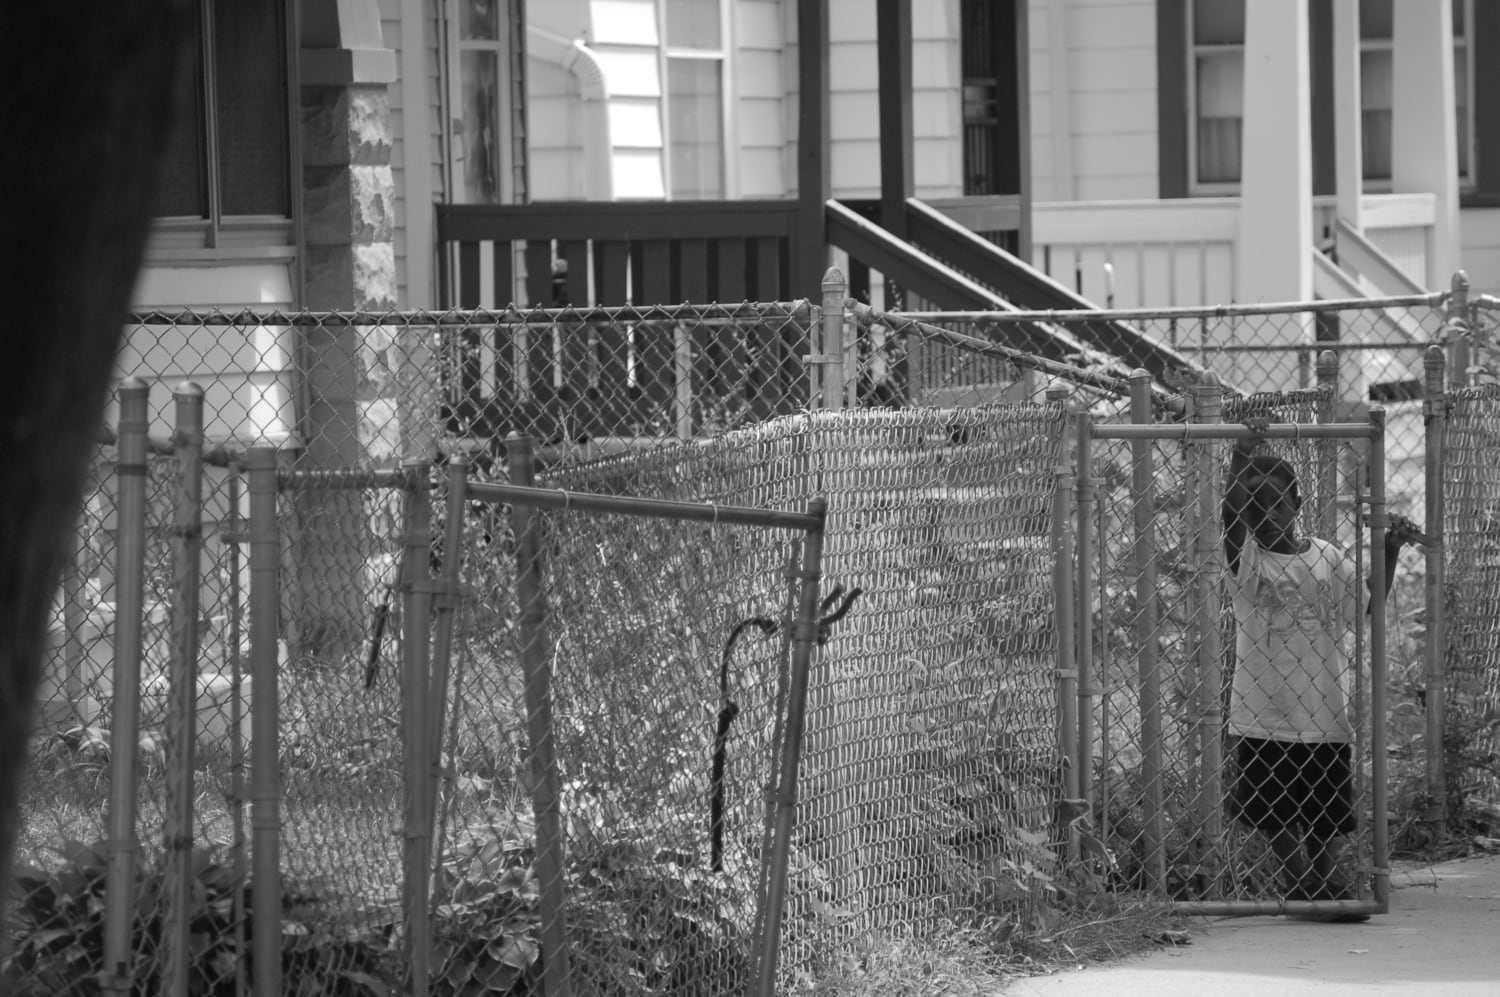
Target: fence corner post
point(829, 365)
point(1065, 620)
point(1435, 650)
point(546, 792)
point(265, 763)
point(182, 684)
point(1456, 328)
point(125, 715)
point(1208, 408)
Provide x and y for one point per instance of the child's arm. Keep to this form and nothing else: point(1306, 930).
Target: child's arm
point(1237, 495)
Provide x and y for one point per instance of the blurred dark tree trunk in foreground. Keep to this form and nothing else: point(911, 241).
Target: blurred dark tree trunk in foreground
point(86, 104)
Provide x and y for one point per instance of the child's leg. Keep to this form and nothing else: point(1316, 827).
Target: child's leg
point(1328, 879)
point(1328, 828)
point(1296, 876)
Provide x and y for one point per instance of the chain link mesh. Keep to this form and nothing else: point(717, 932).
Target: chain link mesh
point(932, 764)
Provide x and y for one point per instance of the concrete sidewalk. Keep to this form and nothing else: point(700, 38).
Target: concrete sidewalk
point(1442, 936)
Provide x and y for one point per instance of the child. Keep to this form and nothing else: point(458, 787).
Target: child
point(1295, 600)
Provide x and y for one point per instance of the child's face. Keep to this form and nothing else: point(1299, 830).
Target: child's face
point(1273, 506)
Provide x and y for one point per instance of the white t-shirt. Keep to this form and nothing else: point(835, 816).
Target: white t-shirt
point(1295, 613)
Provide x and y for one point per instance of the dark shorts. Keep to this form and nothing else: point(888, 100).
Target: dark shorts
point(1281, 784)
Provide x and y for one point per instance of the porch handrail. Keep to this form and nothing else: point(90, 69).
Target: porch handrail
point(1025, 287)
point(936, 281)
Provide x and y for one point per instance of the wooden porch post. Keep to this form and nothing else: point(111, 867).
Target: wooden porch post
point(1424, 146)
point(893, 48)
point(810, 254)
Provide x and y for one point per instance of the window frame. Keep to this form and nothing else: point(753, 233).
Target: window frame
point(1177, 118)
point(666, 53)
point(217, 236)
point(511, 181)
point(1196, 187)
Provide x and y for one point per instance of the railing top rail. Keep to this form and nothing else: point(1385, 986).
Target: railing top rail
point(1230, 431)
point(799, 309)
point(709, 512)
point(900, 322)
point(1434, 299)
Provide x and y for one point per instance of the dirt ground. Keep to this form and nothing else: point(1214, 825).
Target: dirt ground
point(1441, 936)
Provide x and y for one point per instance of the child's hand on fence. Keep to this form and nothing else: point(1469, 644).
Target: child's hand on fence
point(1400, 531)
point(1257, 424)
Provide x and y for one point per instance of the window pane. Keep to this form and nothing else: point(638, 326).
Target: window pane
point(479, 19)
point(1219, 22)
point(693, 24)
point(183, 186)
point(1376, 69)
point(1375, 130)
point(1459, 10)
point(1375, 18)
point(250, 79)
point(479, 75)
point(696, 129)
point(1461, 106)
point(1220, 98)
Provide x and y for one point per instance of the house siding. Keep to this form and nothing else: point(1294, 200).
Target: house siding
point(1109, 148)
point(554, 150)
point(758, 70)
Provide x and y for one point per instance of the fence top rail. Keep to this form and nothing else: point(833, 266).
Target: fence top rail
point(510, 315)
point(355, 478)
point(1232, 431)
point(1434, 299)
point(900, 322)
point(559, 498)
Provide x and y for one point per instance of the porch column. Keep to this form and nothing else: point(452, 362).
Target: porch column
point(367, 391)
point(1424, 143)
point(1348, 155)
point(1276, 239)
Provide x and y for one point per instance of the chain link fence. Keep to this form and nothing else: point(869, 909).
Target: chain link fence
point(933, 769)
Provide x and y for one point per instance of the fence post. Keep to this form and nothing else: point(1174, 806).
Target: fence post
point(791, 750)
point(1143, 493)
point(445, 609)
point(1084, 600)
point(1457, 327)
point(682, 380)
point(233, 538)
point(416, 599)
point(1208, 407)
point(265, 771)
point(1328, 450)
point(182, 715)
point(1065, 624)
point(125, 717)
point(1435, 650)
point(546, 788)
point(827, 366)
point(1382, 874)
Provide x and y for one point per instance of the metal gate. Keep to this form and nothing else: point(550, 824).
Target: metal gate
point(1170, 751)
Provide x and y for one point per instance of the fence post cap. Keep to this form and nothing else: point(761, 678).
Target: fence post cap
point(833, 278)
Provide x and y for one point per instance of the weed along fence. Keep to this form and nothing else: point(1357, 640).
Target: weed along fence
point(513, 650)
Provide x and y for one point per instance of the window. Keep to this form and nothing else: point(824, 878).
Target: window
point(227, 176)
point(1214, 96)
point(988, 57)
point(489, 126)
point(1217, 64)
point(693, 98)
